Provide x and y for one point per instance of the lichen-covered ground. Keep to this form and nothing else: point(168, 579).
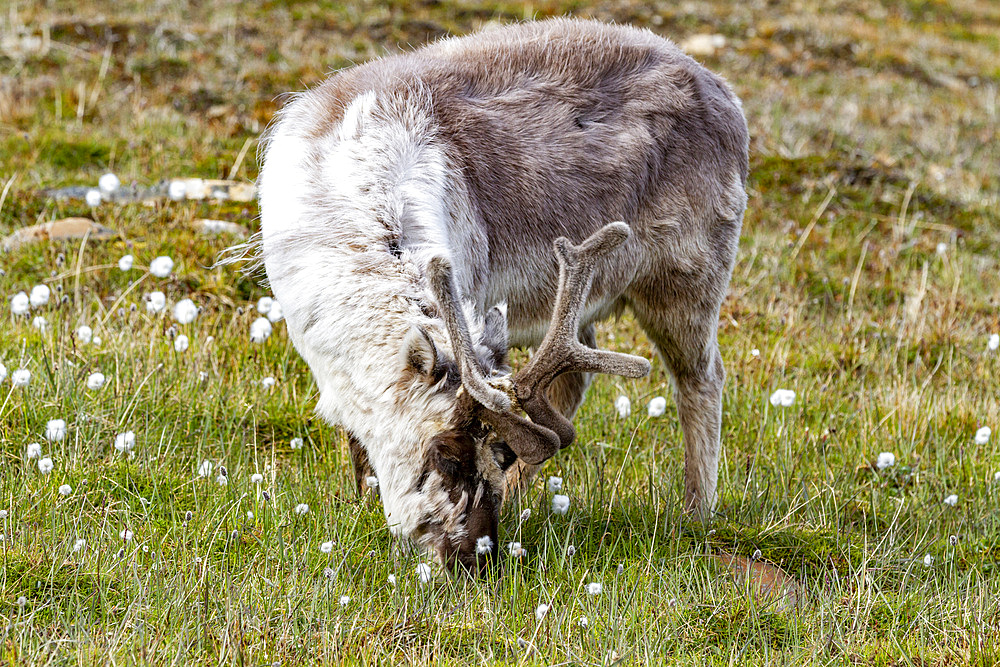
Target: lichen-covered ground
point(867, 283)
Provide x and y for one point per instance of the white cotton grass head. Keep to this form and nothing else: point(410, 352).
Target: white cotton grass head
point(594, 588)
point(264, 304)
point(39, 295)
point(20, 304)
point(33, 451)
point(885, 460)
point(624, 406)
point(65, 490)
point(424, 573)
point(993, 342)
point(21, 377)
point(125, 262)
point(541, 610)
point(205, 469)
point(79, 544)
point(162, 266)
point(108, 183)
point(296, 443)
point(55, 430)
point(276, 313)
point(3, 372)
point(983, 435)
point(185, 311)
point(84, 334)
point(156, 302)
point(95, 381)
point(525, 515)
point(45, 465)
point(928, 560)
point(256, 478)
point(267, 382)
point(517, 550)
point(391, 579)
point(345, 600)
point(951, 500)
point(125, 442)
point(484, 545)
point(222, 480)
point(560, 504)
point(302, 509)
point(782, 398)
point(555, 484)
point(260, 330)
point(657, 406)
point(40, 323)
point(583, 622)
point(126, 535)
point(182, 343)
point(326, 547)
point(371, 481)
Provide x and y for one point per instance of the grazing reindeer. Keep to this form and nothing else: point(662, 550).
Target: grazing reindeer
point(413, 213)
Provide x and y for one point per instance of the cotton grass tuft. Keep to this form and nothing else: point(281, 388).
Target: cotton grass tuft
point(885, 460)
point(21, 377)
point(783, 398)
point(161, 267)
point(624, 406)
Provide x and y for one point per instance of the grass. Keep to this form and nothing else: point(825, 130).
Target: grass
point(875, 130)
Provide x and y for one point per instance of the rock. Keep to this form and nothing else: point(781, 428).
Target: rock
point(703, 44)
point(218, 189)
point(57, 230)
point(209, 226)
point(768, 582)
point(177, 189)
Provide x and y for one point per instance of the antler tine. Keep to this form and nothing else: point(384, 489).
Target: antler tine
point(561, 351)
point(473, 378)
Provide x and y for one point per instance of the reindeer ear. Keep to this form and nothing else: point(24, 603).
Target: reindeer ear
point(419, 352)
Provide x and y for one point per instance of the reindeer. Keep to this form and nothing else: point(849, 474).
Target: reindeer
point(424, 212)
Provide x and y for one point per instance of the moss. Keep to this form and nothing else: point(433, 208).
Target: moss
point(708, 626)
point(75, 154)
point(799, 550)
point(49, 587)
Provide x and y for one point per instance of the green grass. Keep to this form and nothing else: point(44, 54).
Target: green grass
point(875, 140)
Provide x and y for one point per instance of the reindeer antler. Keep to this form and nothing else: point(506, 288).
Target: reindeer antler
point(560, 351)
point(473, 378)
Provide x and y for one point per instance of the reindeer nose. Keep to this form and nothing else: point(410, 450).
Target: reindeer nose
point(483, 561)
point(475, 557)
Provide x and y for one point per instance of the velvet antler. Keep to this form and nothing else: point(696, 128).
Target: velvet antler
point(560, 352)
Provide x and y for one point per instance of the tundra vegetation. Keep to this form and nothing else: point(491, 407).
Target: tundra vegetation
point(226, 526)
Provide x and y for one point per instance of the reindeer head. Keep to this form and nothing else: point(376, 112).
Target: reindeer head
point(466, 459)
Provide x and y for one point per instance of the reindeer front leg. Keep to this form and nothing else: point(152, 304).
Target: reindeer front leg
point(362, 466)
